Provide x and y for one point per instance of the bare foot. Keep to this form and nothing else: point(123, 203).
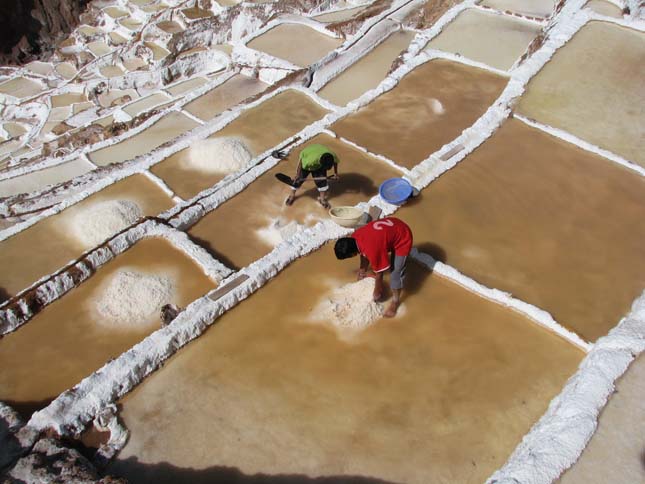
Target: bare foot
point(376, 296)
point(390, 312)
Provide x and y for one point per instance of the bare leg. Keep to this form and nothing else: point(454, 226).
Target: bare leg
point(291, 197)
point(390, 312)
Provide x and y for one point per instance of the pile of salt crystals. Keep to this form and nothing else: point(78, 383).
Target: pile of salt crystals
point(350, 307)
point(133, 299)
point(104, 219)
point(219, 155)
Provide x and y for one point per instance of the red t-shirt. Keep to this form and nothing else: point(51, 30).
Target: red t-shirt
point(377, 238)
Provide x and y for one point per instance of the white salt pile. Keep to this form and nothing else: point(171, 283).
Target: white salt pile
point(436, 106)
point(132, 298)
point(104, 219)
point(219, 155)
point(350, 306)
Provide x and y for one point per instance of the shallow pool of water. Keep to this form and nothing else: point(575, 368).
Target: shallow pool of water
point(280, 41)
point(367, 72)
point(594, 88)
point(441, 394)
point(166, 129)
point(41, 178)
point(73, 338)
point(437, 100)
point(605, 8)
point(486, 37)
point(21, 87)
point(537, 8)
point(48, 245)
point(258, 128)
point(554, 225)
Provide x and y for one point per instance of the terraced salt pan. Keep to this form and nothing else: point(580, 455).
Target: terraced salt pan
point(67, 99)
point(75, 335)
point(42, 68)
point(170, 27)
point(39, 179)
point(117, 39)
point(108, 98)
point(183, 87)
point(146, 103)
point(167, 128)
point(605, 8)
point(21, 87)
point(280, 41)
point(99, 48)
point(112, 71)
point(338, 16)
point(486, 37)
point(449, 388)
point(367, 72)
point(556, 226)
point(256, 219)
point(259, 129)
point(195, 13)
point(615, 452)
point(158, 51)
point(224, 96)
point(538, 8)
point(135, 64)
point(48, 245)
point(594, 88)
point(131, 23)
point(66, 70)
point(438, 100)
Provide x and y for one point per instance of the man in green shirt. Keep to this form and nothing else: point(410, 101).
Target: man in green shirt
point(315, 159)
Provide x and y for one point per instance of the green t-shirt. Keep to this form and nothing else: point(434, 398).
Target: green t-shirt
point(310, 156)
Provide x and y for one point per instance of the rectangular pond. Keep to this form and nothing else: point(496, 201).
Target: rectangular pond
point(443, 393)
point(428, 108)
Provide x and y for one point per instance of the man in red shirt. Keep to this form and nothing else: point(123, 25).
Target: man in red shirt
point(374, 242)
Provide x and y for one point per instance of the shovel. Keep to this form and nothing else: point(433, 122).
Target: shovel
point(291, 182)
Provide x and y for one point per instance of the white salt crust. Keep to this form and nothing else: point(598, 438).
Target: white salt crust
point(131, 298)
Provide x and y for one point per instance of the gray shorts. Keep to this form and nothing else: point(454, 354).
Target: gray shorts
point(398, 272)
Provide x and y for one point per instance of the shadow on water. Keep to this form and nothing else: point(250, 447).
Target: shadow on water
point(164, 473)
point(435, 251)
point(204, 244)
point(348, 183)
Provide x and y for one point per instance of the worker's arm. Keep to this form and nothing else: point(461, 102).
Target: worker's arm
point(378, 286)
point(362, 269)
point(335, 171)
point(299, 171)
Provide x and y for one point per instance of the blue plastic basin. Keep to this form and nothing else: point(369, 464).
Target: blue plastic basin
point(395, 191)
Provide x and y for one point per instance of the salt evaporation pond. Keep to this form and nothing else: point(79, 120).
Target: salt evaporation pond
point(146, 103)
point(21, 87)
point(449, 388)
point(49, 244)
point(538, 8)
point(256, 219)
point(75, 335)
point(592, 88)
point(258, 129)
point(533, 215)
point(40, 179)
point(169, 127)
point(486, 37)
point(184, 87)
point(339, 15)
point(438, 100)
point(225, 96)
point(605, 8)
point(279, 42)
point(367, 72)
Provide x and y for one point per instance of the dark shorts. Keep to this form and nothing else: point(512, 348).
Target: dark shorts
point(320, 173)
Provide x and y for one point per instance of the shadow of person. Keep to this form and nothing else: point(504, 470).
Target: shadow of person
point(352, 183)
point(433, 250)
point(165, 473)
